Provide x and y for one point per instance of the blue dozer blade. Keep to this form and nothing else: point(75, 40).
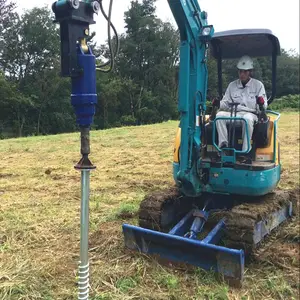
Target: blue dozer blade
point(229, 262)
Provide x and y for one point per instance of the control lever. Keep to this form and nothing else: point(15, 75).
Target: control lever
point(233, 111)
point(262, 117)
point(215, 107)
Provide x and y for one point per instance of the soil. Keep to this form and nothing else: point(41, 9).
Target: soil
point(152, 207)
point(7, 175)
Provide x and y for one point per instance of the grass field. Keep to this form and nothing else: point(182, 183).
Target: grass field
point(39, 220)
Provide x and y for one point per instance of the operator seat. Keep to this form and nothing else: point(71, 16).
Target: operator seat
point(260, 138)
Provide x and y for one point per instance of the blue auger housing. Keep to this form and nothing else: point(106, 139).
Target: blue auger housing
point(84, 95)
point(77, 59)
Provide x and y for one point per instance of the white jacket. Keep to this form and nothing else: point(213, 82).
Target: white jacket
point(246, 96)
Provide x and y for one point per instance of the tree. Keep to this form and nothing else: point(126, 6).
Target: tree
point(6, 7)
point(288, 73)
point(148, 62)
point(7, 96)
point(6, 12)
point(14, 107)
point(32, 44)
point(31, 59)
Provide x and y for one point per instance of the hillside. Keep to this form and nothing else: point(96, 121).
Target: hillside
point(39, 220)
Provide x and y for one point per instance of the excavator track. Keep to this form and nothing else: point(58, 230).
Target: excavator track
point(248, 221)
point(161, 209)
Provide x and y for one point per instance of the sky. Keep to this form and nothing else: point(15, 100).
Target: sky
point(282, 17)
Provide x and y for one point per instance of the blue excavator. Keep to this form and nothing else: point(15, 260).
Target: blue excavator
point(219, 207)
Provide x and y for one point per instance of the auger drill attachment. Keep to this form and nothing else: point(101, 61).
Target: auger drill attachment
point(78, 62)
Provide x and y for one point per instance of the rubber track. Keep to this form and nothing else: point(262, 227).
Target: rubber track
point(240, 220)
point(154, 205)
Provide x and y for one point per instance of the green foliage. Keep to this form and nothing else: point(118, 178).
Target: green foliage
point(127, 283)
point(288, 73)
point(218, 293)
point(37, 99)
point(6, 10)
point(278, 286)
point(4, 247)
point(128, 120)
point(288, 102)
point(127, 210)
point(169, 281)
point(146, 67)
point(211, 286)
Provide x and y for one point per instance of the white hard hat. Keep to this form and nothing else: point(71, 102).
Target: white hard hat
point(245, 63)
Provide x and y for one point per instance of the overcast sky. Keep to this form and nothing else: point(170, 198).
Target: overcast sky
point(282, 17)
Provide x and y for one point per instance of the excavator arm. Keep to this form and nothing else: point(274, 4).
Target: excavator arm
point(194, 37)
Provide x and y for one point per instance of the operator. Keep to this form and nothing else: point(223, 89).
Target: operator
point(247, 92)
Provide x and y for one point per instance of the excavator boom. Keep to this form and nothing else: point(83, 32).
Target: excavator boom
point(194, 37)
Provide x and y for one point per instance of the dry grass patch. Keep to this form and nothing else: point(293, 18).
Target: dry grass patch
point(39, 220)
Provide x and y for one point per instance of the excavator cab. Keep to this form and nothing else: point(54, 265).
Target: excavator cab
point(233, 44)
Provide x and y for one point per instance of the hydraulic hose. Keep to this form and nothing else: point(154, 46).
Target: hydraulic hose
point(110, 25)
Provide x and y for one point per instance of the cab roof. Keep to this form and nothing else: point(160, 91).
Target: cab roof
point(236, 43)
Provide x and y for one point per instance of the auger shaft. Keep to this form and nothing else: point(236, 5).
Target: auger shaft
point(83, 274)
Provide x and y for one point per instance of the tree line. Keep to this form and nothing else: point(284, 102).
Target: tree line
point(142, 89)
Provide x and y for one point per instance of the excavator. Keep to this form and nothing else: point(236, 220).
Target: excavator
point(219, 208)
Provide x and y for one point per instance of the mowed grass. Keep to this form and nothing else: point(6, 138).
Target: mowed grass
point(40, 210)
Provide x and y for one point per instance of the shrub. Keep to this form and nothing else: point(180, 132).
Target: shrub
point(289, 102)
point(128, 120)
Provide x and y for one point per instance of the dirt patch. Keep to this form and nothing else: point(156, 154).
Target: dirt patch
point(155, 200)
point(127, 215)
point(3, 239)
point(7, 175)
point(280, 253)
point(107, 234)
point(139, 182)
point(64, 177)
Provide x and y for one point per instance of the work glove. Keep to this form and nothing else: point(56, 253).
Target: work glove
point(216, 103)
point(262, 117)
point(260, 101)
